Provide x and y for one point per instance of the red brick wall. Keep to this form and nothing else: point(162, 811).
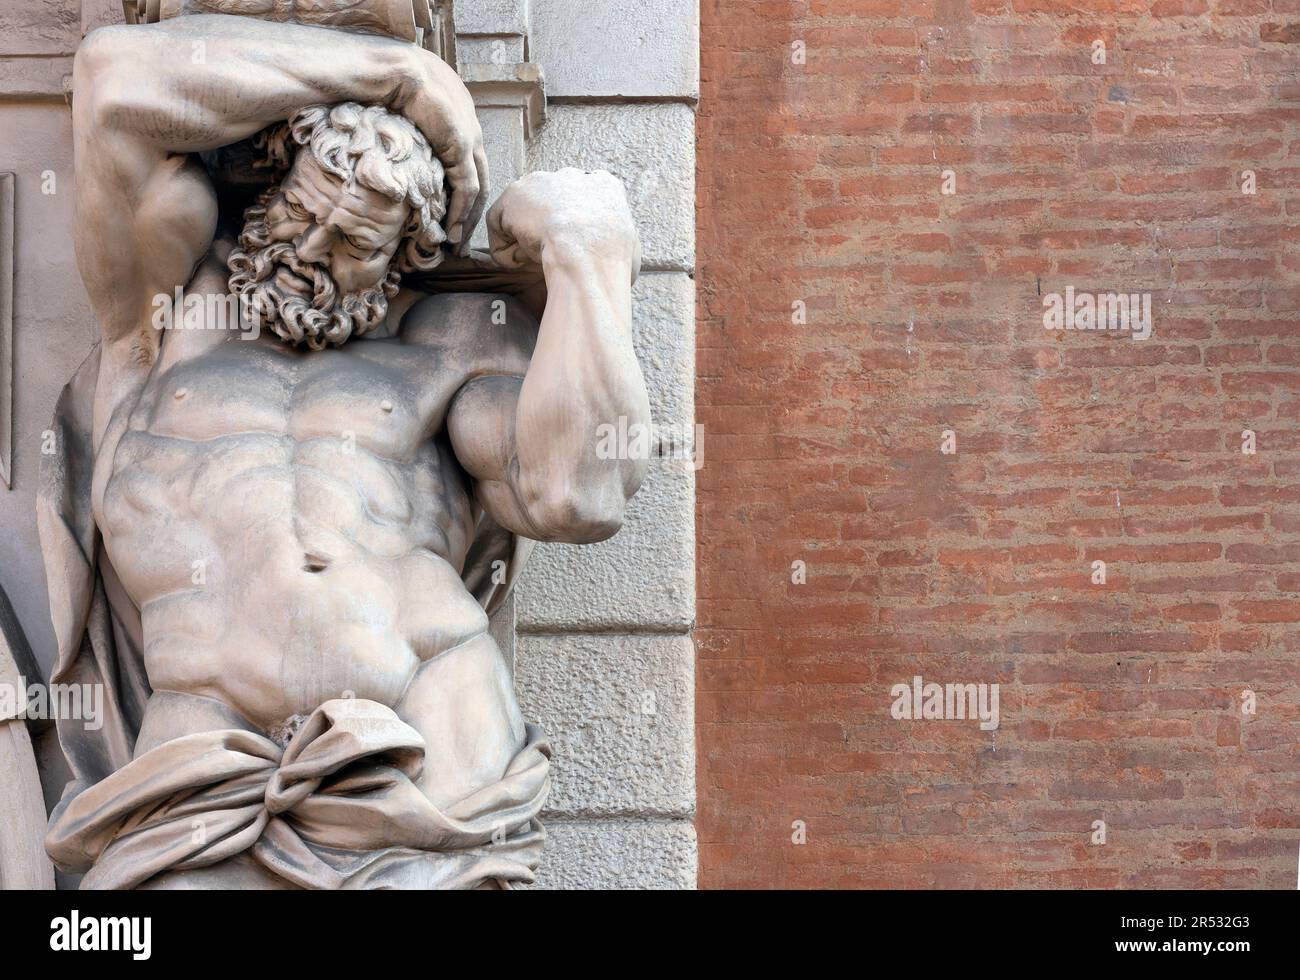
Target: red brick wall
point(821, 183)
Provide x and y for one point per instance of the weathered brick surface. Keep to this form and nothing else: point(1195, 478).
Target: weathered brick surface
point(1120, 702)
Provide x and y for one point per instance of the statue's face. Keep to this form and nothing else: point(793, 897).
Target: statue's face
point(314, 259)
point(349, 230)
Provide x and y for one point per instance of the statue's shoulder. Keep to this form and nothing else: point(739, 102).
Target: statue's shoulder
point(471, 324)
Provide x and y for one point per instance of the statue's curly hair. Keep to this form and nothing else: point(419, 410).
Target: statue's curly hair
point(379, 150)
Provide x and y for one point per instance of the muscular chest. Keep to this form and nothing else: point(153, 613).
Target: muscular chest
point(374, 399)
point(332, 453)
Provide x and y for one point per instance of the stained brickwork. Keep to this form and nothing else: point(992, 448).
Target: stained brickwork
point(891, 193)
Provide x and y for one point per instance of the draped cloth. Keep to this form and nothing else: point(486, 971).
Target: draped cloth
point(338, 808)
point(100, 642)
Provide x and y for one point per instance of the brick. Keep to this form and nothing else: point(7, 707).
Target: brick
point(1120, 701)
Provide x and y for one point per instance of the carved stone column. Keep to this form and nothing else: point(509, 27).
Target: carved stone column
point(621, 85)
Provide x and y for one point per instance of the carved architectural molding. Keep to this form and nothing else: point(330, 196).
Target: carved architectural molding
point(509, 90)
point(510, 86)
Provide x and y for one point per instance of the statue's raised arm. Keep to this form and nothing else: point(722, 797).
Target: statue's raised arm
point(149, 97)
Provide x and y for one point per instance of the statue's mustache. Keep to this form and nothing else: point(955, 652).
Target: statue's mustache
point(310, 280)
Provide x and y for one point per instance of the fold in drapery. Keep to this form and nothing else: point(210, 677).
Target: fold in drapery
point(338, 808)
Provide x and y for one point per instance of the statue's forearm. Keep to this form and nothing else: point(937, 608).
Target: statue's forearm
point(198, 82)
point(583, 376)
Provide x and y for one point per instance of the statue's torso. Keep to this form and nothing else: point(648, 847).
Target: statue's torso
point(291, 524)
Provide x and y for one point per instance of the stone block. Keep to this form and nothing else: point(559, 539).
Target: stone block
point(619, 855)
point(606, 48)
point(652, 148)
point(643, 578)
point(620, 713)
point(492, 16)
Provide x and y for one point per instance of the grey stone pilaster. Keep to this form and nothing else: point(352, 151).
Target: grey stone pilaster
point(603, 655)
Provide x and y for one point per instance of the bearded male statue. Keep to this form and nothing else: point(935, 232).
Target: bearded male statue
point(275, 545)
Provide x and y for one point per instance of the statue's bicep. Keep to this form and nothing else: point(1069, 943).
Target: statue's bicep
point(481, 423)
point(138, 240)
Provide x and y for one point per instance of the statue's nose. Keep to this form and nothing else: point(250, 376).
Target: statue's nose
point(313, 245)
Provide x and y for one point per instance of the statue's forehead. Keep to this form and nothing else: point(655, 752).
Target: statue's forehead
point(311, 180)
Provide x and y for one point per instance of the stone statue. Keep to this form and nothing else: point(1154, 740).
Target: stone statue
point(275, 537)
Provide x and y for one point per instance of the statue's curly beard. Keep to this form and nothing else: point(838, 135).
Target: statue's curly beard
point(317, 315)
